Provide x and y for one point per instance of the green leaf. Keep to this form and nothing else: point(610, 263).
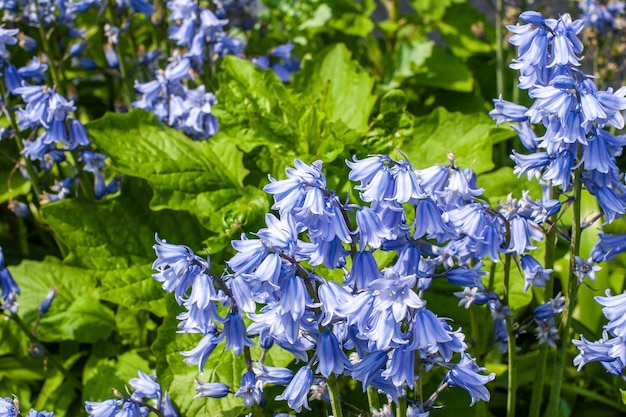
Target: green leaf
point(342, 86)
point(517, 297)
point(75, 314)
point(12, 185)
point(468, 137)
point(86, 320)
point(432, 9)
point(113, 239)
point(500, 183)
point(133, 288)
point(199, 177)
point(412, 57)
point(466, 31)
point(443, 70)
point(253, 106)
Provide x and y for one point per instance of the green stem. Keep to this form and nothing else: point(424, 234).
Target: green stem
point(52, 64)
point(418, 393)
point(372, 398)
point(572, 291)
point(401, 408)
point(542, 361)
point(333, 392)
point(512, 375)
point(499, 47)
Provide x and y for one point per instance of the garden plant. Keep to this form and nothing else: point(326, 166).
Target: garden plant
point(312, 207)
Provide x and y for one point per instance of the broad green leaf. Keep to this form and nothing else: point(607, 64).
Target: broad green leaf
point(412, 57)
point(199, 177)
point(466, 31)
point(85, 320)
point(113, 239)
point(118, 233)
point(344, 88)
point(75, 314)
point(468, 137)
point(322, 15)
point(254, 104)
point(443, 70)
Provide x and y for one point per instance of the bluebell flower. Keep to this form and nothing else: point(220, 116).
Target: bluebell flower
point(369, 367)
point(211, 389)
point(332, 297)
point(401, 369)
point(19, 208)
point(203, 350)
point(7, 37)
point(427, 331)
point(235, 333)
point(145, 386)
point(107, 408)
point(371, 230)
point(130, 409)
point(364, 270)
point(330, 355)
point(470, 296)
point(466, 375)
point(614, 309)
point(250, 390)
point(597, 352)
point(35, 413)
point(167, 407)
point(178, 267)
point(429, 221)
point(273, 375)
point(467, 277)
point(296, 392)
point(600, 17)
point(585, 269)
point(534, 273)
point(9, 287)
point(373, 173)
point(8, 408)
point(395, 292)
point(608, 246)
point(47, 301)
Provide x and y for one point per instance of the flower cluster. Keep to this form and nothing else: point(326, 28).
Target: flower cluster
point(136, 403)
point(603, 18)
point(577, 117)
point(201, 40)
point(375, 324)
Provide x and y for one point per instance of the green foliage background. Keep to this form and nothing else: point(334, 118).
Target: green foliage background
point(420, 82)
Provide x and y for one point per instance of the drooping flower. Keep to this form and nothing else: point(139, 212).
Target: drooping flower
point(466, 375)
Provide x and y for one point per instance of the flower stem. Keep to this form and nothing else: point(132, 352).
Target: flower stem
point(499, 47)
point(372, 398)
point(512, 375)
point(542, 361)
point(333, 392)
point(570, 302)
